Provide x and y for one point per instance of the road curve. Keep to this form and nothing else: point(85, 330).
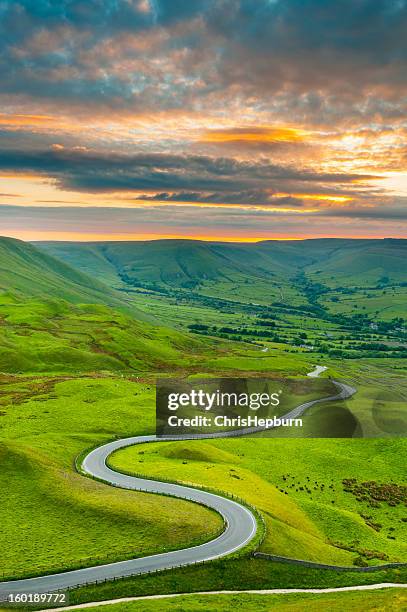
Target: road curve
point(240, 523)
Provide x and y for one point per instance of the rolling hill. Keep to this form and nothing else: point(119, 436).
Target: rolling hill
point(54, 318)
point(174, 263)
point(363, 262)
point(28, 272)
point(191, 263)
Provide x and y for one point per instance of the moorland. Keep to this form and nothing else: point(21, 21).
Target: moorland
point(85, 330)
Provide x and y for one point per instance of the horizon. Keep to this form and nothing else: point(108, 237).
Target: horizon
point(188, 239)
point(239, 121)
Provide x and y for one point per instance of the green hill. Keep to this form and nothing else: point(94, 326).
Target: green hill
point(90, 258)
point(190, 263)
point(174, 263)
point(363, 262)
point(173, 278)
point(28, 272)
point(54, 318)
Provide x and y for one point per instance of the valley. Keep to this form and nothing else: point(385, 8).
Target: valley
point(307, 294)
point(86, 329)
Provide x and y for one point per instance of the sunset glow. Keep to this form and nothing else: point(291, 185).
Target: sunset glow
point(221, 120)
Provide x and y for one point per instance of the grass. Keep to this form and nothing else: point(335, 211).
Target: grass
point(54, 336)
point(253, 360)
point(56, 519)
point(246, 287)
point(28, 272)
point(297, 486)
point(385, 303)
point(192, 263)
point(231, 575)
point(82, 362)
point(384, 599)
point(47, 421)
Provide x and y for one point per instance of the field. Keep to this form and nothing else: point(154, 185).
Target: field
point(386, 599)
point(231, 575)
point(46, 424)
point(298, 487)
point(53, 336)
point(337, 298)
point(55, 519)
point(79, 360)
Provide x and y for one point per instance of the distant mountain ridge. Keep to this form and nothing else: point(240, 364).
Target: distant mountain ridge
point(183, 263)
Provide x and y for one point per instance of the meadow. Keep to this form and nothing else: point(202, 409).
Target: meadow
point(232, 574)
point(78, 365)
point(385, 599)
point(56, 519)
point(298, 487)
point(47, 422)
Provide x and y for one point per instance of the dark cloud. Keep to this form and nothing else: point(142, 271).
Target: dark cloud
point(314, 57)
point(319, 59)
point(104, 172)
point(393, 211)
point(327, 81)
point(249, 197)
point(187, 221)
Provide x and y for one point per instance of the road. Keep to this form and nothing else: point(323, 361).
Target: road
point(318, 370)
point(240, 523)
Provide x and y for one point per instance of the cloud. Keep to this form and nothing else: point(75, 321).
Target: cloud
point(278, 104)
point(390, 211)
point(91, 171)
point(316, 60)
point(77, 223)
point(253, 197)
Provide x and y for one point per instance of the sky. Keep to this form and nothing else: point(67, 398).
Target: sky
point(213, 119)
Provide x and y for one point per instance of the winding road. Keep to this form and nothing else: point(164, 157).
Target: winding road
point(240, 523)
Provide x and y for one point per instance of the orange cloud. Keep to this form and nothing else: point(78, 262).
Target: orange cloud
point(15, 119)
point(319, 197)
point(256, 134)
point(220, 205)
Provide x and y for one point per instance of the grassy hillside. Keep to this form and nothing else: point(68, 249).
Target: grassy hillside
point(54, 318)
point(181, 264)
point(28, 272)
point(90, 258)
point(45, 422)
point(51, 321)
point(308, 511)
point(231, 575)
point(187, 263)
point(362, 262)
point(385, 599)
point(337, 275)
point(53, 336)
point(82, 371)
point(55, 519)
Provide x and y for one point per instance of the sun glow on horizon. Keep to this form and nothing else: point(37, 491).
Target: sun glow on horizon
point(69, 236)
